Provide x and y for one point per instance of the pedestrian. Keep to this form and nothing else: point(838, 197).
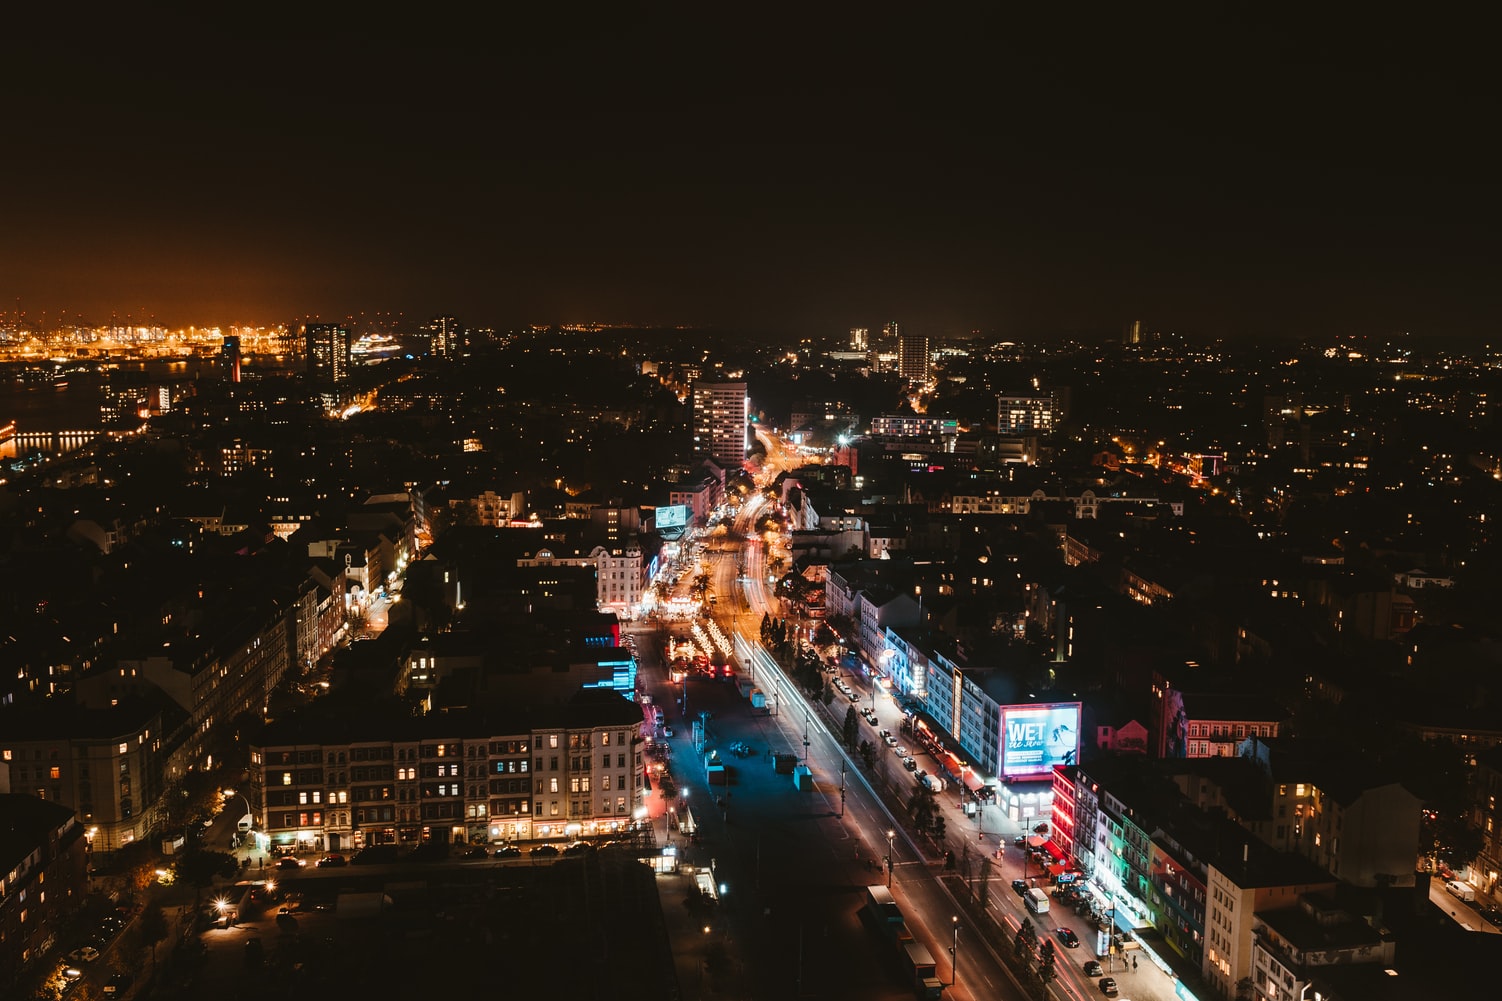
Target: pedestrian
point(1134, 964)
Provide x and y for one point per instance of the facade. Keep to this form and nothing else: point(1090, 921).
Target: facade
point(329, 347)
point(1025, 415)
point(913, 357)
point(43, 879)
point(620, 571)
point(551, 772)
point(105, 766)
point(719, 422)
point(445, 337)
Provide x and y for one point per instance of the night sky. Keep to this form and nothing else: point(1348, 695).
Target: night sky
point(786, 172)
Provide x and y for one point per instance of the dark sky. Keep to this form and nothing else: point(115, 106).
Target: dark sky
point(785, 171)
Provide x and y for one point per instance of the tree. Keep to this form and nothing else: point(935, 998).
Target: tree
point(200, 867)
point(1246, 989)
point(921, 807)
point(868, 753)
point(1027, 941)
point(938, 828)
point(852, 727)
point(153, 929)
point(1046, 971)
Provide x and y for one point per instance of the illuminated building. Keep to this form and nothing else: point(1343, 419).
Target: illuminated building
point(229, 354)
point(912, 357)
point(548, 772)
point(43, 879)
point(860, 339)
point(720, 422)
point(328, 350)
point(1024, 415)
point(445, 337)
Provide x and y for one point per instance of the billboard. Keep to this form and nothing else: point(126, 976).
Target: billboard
point(1036, 739)
point(673, 516)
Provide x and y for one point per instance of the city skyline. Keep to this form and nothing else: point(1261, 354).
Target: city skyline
point(1014, 179)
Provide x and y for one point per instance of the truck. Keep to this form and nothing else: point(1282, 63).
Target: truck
point(783, 764)
point(1036, 900)
point(931, 782)
point(714, 770)
point(803, 778)
point(758, 699)
point(744, 686)
point(1461, 891)
point(918, 964)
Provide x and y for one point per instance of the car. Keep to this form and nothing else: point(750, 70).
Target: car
point(579, 848)
point(890, 740)
point(1093, 968)
point(473, 852)
point(374, 855)
point(119, 983)
point(545, 851)
point(1020, 887)
point(667, 731)
point(84, 954)
point(331, 860)
point(290, 863)
point(508, 851)
point(884, 734)
point(1068, 937)
point(902, 751)
point(854, 697)
point(1020, 840)
point(911, 764)
point(1108, 987)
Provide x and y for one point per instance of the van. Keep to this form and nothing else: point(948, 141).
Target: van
point(1461, 891)
point(1036, 900)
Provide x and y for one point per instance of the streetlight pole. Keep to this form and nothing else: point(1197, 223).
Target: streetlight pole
point(842, 789)
point(890, 865)
point(954, 953)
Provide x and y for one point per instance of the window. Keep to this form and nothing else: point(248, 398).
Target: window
point(552, 785)
point(286, 778)
point(56, 772)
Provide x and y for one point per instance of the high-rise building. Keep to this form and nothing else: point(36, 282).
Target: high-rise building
point(860, 339)
point(720, 422)
point(1019, 415)
point(912, 357)
point(229, 354)
point(445, 336)
point(329, 347)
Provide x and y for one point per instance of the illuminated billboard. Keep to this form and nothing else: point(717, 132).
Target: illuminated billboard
point(675, 516)
point(1036, 739)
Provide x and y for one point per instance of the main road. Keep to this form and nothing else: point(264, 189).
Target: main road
point(794, 863)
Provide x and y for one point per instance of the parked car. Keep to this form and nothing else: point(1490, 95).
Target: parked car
point(288, 862)
point(1068, 937)
point(579, 848)
point(1019, 887)
point(331, 860)
point(910, 763)
point(84, 954)
point(1108, 987)
point(1093, 968)
point(667, 731)
point(890, 740)
point(374, 855)
point(545, 851)
point(119, 983)
point(473, 852)
point(508, 851)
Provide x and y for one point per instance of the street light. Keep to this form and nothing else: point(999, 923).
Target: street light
point(842, 789)
point(890, 835)
point(954, 953)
